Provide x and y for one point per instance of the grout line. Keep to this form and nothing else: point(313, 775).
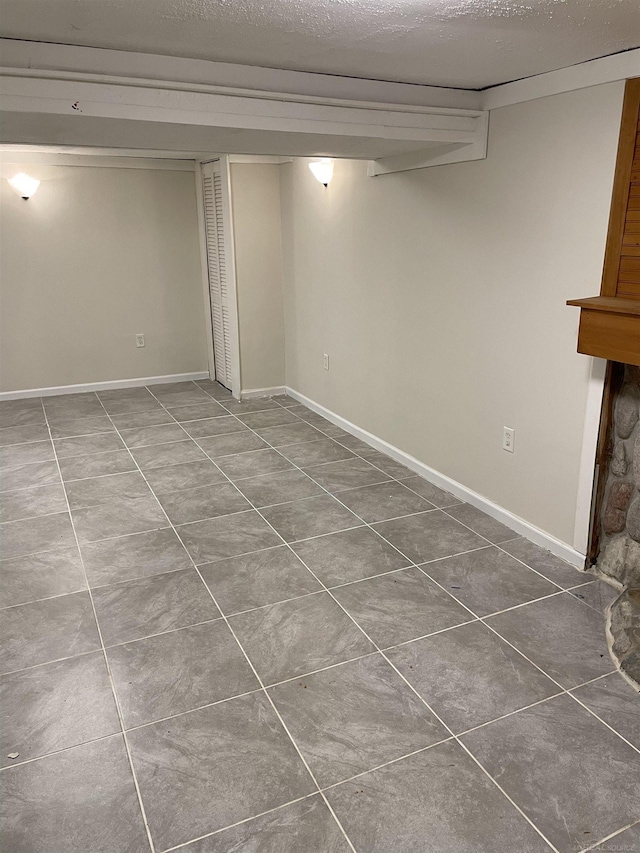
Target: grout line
point(402, 676)
point(615, 834)
point(412, 564)
point(16, 764)
point(106, 660)
point(266, 694)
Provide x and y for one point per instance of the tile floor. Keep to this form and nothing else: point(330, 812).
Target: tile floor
point(231, 626)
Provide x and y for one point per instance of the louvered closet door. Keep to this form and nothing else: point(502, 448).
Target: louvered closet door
point(217, 269)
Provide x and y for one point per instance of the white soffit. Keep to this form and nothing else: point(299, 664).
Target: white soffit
point(468, 44)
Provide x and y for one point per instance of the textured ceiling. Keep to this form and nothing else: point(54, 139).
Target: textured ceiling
point(461, 43)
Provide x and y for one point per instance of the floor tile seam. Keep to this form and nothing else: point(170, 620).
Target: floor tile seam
point(29, 518)
point(421, 699)
point(257, 689)
point(183, 844)
point(257, 676)
point(45, 598)
point(106, 661)
point(33, 485)
point(45, 755)
point(517, 559)
point(430, 709)
point(610, 837)
point(95, 651)
point(600, 719)
point(23, 443)
point(7, 469)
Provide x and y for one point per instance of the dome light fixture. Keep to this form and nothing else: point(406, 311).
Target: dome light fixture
point(322, 170)
point(24, 185)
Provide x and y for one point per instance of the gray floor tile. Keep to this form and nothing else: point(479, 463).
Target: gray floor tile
point(309, 416)
point(119, 517)
point(227, 536)
point(246, 407)
point(349, 556)
point(304, 826)
point(218, 446)
point(22, 434)
point(196, 411)
point(137, 556)
point(127, 400)
point(572, 777)
point(179, 394)
point(384, 501)
point(81, 426)
point(489, 580)
point(25, 454)
point(288, 639)
point(438, 801)
point(149, 435)
point(68, 802)
point(44, 575)
point(66, 407)
point(349, 441)
point(469, 676)
point(55, 706)
point(545, 563)
point(253, 580)
point(313, 453)
point(32, 535)
point(616, 702)
point(254, 464)
point(203, 502)
point(400, 606)
point(354, 717)
point(350, 474)
point(270, 489)
point(560, 635)
point(44, 631)
point(214, 389)
point(14, 413)
point(597, 594)
point(101, 490)
point(29, 503)
point(137, 420)
point(297, 433)
point(24, 476)
point(213, 426)
point(133, 609)
point(386, 463)
point(437, 497)
point(310, 517)
point(482, 523)
point(270, 418)
point(96, 465)
point(176, 672)
point(188, 475)
point(85, 444)
point(429, 536)
point(173, 453)
point(209, 769)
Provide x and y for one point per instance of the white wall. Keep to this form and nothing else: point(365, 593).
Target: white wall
point(440, 294)
point(255, 191)
point(96, 256)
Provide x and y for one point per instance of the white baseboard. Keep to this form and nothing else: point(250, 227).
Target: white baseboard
point(103, 386)
point(250, 393)
point(519, 525)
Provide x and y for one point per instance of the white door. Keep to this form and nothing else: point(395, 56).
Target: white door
point(219, 249)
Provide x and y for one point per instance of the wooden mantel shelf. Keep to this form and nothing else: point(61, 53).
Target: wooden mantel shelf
point(609, 328)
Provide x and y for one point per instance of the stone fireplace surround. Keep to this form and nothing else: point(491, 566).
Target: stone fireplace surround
point(618, 560)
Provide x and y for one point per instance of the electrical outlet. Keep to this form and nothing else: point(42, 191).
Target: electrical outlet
point(140, 340)
point(508, 439)
point(325, 361)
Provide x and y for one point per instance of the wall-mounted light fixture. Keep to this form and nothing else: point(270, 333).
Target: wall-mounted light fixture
point(322, 170)
point(24, 185)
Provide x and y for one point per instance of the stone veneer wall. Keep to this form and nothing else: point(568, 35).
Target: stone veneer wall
point(619, 557)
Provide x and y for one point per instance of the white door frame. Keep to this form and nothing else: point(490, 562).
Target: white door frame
point(227, 212)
